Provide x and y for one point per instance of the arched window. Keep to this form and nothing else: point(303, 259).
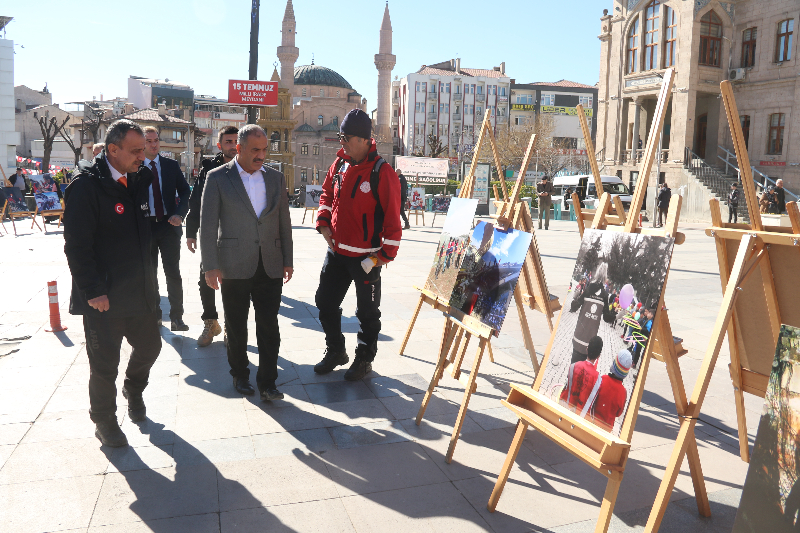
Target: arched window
point(633, 47)
point(710, 39)
point(320, 120)
point(670, 36)
point(652, 15)
point(275, 141)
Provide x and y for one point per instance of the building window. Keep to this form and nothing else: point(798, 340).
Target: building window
point(458, 89)
point(777, 121)
point(670, 35)
point(304, 92)
point(471, 88)
point(783, 47)
point(322, 92)
point(419, 107)
point(501, 112)
point(525, 99)
point(502, 91)
point(633, 47)
point(749, 47)
point(433, 87)
point(490, 109)
point(651, 35)
point(479, 89)
point(710, 39)
point(480, 111)
point(469, 109)
point(320, 120)
point(744, 120)
point(177, 135)
point(304, 149)
point(548, 99)
point(335, 120)
point(303, 176)
point(586, 101)
point(444, 108)
point(394, 132)
point(316, 149)
point(423, 87)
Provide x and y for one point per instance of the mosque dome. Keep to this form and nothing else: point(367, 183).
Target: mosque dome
point(319, 75)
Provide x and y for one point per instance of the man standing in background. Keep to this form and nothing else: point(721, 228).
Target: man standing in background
point(664, 196)
point(403, 199)
point(226, 142)
point(166, 218)
point(544, 190)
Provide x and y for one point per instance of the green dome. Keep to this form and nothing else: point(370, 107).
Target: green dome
point(319, 75)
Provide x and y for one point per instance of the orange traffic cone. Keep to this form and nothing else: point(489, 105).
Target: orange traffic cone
point(55, 314)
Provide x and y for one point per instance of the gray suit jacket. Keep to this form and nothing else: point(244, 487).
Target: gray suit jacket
point(231, 234)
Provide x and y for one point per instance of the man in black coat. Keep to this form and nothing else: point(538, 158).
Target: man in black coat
point(226, 142)
point(664, 196)
point(107, 244)
point(169, 203)
point(780, 197)
point(403, 198)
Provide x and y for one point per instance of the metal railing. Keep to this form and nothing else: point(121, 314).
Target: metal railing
point(711, 177)
point(635, 156)
point(456, 96)
point(480, 97)
point(759, 178)
point(433, 96)
point(432, 115)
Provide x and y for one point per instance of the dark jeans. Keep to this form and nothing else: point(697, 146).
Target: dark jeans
point(662, 215)
point(403, 213)
point(104, 336)
point(208, 299)
point(266, 295)
point(338, 272)
point(732, 213)
point(167, 240)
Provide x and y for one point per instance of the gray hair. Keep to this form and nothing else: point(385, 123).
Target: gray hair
point(248, 131)
point(119, 129)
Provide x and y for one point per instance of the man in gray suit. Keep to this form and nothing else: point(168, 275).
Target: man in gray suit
point(246, 248)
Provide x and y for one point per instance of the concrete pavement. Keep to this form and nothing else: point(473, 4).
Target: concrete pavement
point(334, 456)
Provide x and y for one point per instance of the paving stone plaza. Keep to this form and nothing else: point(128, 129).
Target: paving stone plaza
point(334, 455)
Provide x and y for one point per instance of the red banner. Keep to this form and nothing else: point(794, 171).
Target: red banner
point(772, 163)
point(252, 92)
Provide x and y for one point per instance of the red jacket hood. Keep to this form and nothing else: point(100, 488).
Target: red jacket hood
point(371, 154)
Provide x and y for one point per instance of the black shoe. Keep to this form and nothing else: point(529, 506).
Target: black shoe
point(109, 433)
point(243, 386)
point(179, 325)
point(271, 392)
point(358, 369)
point(331, 360)
point(136, 409)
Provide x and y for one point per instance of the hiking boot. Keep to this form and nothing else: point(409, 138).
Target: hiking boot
point(109, 433)
point(136, 409)
point(331, 360)
point(359, 369)
point(211, 329)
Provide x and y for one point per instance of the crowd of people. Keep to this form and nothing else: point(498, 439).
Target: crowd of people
point(127, 206)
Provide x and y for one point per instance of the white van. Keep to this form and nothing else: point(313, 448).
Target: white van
point(611, 184)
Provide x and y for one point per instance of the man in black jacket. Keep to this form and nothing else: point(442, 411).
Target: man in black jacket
point(226, 142)
point(169, 203)
point(664, 196)
point(107, 244)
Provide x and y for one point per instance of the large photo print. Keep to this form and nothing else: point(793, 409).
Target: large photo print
point(489, 273)
point(452, 247)
point(606, 323)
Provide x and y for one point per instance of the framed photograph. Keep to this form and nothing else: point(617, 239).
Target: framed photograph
point(606, 323)
point(417, 198)
point(47, 201)
point(313, 194)
point(489, 273)
point(42, 183)
point(16, 201)
point(441, 204)
point(771, 494)
point(452, 247)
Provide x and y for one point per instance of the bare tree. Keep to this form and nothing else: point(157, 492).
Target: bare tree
point(75, 149)
point(50, 129)
point(92, 119)
point(436, 147)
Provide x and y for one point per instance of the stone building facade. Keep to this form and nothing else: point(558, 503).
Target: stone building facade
point(752, 42)
point(278, 123)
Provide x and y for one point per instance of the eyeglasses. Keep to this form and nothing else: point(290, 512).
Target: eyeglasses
point(343, 137)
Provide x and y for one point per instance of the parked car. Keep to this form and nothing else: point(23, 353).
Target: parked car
point(583, 184)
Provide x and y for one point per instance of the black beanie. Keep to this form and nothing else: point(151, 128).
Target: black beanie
point(357, 123)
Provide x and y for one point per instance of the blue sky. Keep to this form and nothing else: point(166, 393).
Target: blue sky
point(82, 49)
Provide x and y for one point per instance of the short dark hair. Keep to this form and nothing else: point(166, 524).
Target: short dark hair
point(595, 348)
point(247, 131)
point(227, 130)
point(119, 129)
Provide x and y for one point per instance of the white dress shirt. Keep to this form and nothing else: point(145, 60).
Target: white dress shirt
point(116, 174)
point(152, 203)
point(255, 187)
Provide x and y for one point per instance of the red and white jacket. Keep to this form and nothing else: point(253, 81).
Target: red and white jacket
point(358, 226)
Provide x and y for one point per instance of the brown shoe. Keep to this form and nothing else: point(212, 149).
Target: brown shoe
point(210, 330)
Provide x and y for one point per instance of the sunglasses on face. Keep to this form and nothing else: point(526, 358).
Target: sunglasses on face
point(343, 137)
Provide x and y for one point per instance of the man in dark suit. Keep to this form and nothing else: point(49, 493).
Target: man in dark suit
point(169, 203)
point(246, 247)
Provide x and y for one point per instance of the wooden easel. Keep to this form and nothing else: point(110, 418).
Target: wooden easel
point(49, 213)
point(600, 450)
point(459, 328)
point(417, 212)
point(13, 215)
point(758, 267)
point(435, 212)
point(314, 181)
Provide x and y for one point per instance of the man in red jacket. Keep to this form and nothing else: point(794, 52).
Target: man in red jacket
point(359, 217)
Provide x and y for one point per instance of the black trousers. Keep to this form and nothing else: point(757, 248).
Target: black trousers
point(104, 336)
point(403, 214)
point(167, 240)
point(662, 215)
point(732, 213)
point(207, 298)
point(338, 272)
point(266, 295)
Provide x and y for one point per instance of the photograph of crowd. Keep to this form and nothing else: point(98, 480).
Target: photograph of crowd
point(441, 204)
point(313, 194)
point(608, 317)
point(16, 202)
point(489, 272)
point(452, 247)
point(771, 494)
point(42, 183)
point(47, 201)
point(416, 198)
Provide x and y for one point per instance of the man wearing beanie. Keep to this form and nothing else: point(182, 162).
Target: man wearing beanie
point(359, 217)
point(609, 401)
